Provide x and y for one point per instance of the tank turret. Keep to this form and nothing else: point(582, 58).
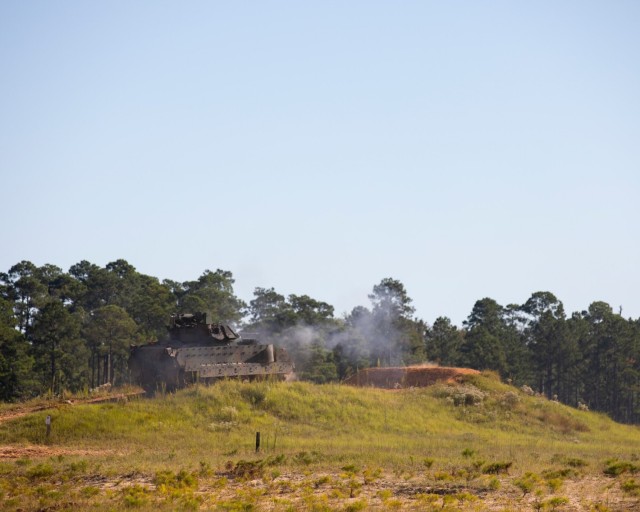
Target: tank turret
point(195, 350)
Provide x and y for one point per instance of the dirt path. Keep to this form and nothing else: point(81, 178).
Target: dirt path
point(13, 414)
point(37, 451)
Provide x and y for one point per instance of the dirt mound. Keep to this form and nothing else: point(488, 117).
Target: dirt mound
point(406, 377)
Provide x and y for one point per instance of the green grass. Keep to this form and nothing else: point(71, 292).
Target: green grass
point(507, 442)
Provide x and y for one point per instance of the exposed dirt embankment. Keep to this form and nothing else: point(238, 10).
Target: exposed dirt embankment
point(406, 377)
point(18, 412)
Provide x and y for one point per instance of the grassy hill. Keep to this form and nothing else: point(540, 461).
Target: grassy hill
point(479, 445)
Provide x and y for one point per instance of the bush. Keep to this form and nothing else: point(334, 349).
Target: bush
point(40, 471)
point(509, 400)
point(135, 496)
point(464, 395)
point(616, 468)
point(497, 468)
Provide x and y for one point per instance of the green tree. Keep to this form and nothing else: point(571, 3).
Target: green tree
point(611, 350)
point(109, 332)
point(553, 351)
point(15, 363)
point(59, 353)
point(320, 366)
point(24, 289)
point(443, 341)
point(151, 305)
point(270, 312)
point(310, 311)
point(483, 345)
point(397, 337)
point(97, 286)
point(213, 293)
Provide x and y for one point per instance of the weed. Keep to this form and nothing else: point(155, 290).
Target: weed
point(40, 471)
point(371, 475)
point(189, 502)
point(384, 494)
point(350, 469)
point(166, 481)
point(554, 484)
point(575, 462)
point(393, 504)
point(428, 462)
point(562, 421)
point(356, 506)
point(135, 496)
point(467, 453)
point(245, 470)
point(317, 503)
point(205, 469)
point(616, 468)
point(551, 474)
point(631, 487)
point(494, 484)
point(307, 458)
point(89, 491)
point(527, 483)
point(319, 482)
point(256, 394)
point(78, 467)
point(497, 468)
point(555, 502)
point(275, 460)
point(509, 400)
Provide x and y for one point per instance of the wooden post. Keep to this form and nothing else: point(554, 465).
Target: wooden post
point(47, 422)
point(257, 442)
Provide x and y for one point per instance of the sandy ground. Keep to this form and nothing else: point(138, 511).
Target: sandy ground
point(41, 451)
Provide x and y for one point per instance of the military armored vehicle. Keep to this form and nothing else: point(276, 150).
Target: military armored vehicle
point(195, 350)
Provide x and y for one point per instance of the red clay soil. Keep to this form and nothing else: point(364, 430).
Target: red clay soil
point(407, 377)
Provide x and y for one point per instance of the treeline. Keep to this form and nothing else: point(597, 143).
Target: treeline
point(72, 331)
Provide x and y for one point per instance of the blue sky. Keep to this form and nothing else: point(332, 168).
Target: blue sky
point(468, 149)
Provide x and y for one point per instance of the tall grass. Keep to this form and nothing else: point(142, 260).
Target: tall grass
point(466, 433)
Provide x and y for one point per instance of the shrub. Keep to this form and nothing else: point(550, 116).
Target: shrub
point(527, 483)
point(616, 468)
point(307, 458)
point(509, 400)
point(468, 452)
point(497, 468)
point(135, 496)
point(40, 471)
point(527, 390)
point(631, 487)
point(555, 502)
point(245, 470)
point(255, 394)
point(356, 506)
point(575, 463)
point(461, 395)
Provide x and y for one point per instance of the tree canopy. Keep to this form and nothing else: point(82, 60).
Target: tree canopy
point(72, 330)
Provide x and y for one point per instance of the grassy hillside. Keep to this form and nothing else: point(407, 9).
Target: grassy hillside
point(481, 445)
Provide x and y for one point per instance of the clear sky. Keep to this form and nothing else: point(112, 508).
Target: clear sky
point(469, 149)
